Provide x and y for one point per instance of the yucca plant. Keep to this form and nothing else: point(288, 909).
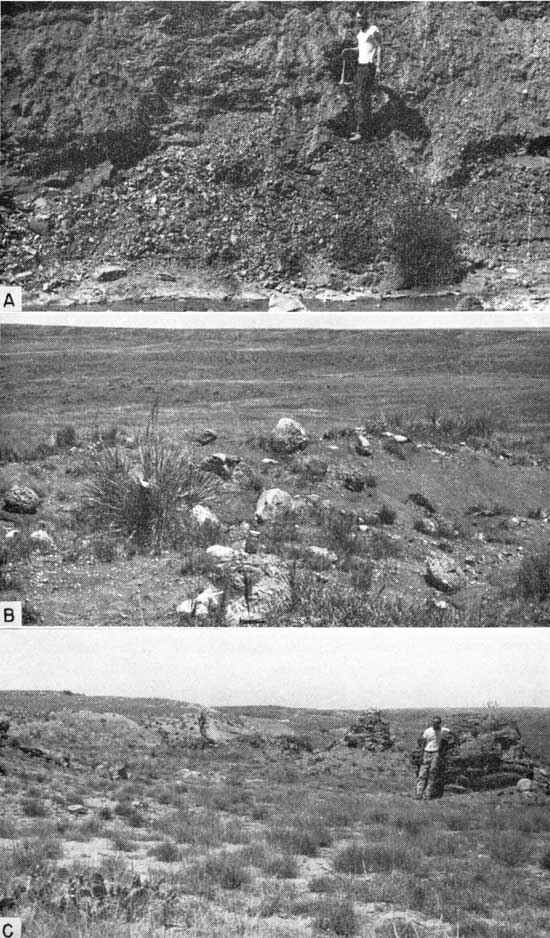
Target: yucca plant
point(146, 497)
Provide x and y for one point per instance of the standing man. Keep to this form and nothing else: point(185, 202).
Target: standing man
point(369, 47)
point(435, 741)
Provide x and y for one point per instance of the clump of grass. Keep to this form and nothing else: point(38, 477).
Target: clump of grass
point(104, 548)
point(131, 815)
point(386, 515)
point(336, 916)
point(146, 498)
point(282, 866)
point(32, 807)
point(32, 854)
point(360, 858)
point(382, 546)
point(325, 884)
point(166, 852)
point(342, 533)
point(66, 437)
point(393, 448)
point(227, 870)
point(534, 576)
point(276, 899)
point(122, 842)
point(297, 840)
point(509, 848)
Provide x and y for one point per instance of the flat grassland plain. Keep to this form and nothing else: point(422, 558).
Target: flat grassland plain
point(119, 819)
point(441, 519)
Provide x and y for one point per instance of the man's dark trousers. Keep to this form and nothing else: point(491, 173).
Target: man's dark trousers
point(364, 86)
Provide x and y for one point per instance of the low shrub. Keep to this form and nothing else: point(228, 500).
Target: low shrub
point(32, 807)
point(27, 856)
point(123, 843)
point(393, 448)
point(386, 515)
point(509, 848)
point(227, 870)
point(66, 437)
point(166, 852)
point(360, 858)
point(383, 546)
point(534, 576)
point(303, 842)
point(104, 549)
point(282, 866)
point(336, 916)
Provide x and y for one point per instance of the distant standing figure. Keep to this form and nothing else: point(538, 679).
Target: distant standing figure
point(202, 725)
point(434, 741)
point(369, 47)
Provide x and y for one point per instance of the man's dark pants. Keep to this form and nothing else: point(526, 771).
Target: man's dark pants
point(364, 87)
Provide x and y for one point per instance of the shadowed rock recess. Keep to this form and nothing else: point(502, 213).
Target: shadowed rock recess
point(216, 134)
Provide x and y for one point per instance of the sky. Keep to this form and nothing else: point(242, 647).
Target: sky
point(318, 668)
point(263, 319)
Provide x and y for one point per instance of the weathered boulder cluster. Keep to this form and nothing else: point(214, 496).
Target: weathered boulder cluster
point(489, 754)
point(370, 731)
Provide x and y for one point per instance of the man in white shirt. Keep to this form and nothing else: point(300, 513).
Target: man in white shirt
point(369, 47)
point(434, 741)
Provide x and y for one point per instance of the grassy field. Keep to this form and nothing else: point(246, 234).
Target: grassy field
point(247, 837)
point(473, 406)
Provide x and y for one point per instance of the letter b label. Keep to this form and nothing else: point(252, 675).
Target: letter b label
point(10, 617)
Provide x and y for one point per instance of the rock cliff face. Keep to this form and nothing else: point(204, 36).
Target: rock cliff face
point(216, 133)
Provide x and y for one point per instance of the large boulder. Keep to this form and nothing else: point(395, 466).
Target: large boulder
point(285, 303)
point(444, 574)
point(22, 500)
point(263, 583)
point(271, 504)
point(288, 436)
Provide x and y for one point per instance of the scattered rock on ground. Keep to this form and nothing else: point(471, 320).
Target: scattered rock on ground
point(284, 303)
point(271, 503)
point(222, 554)
point(109, 272)
point(363, 446)
point(288, 436)
point(354, 482)
point(205, 436)
point(42, 539)
point(21, 500)
point(203, 515)
point(427, 526)
point(203, 605)
point(219, 464)
point(322, 553)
